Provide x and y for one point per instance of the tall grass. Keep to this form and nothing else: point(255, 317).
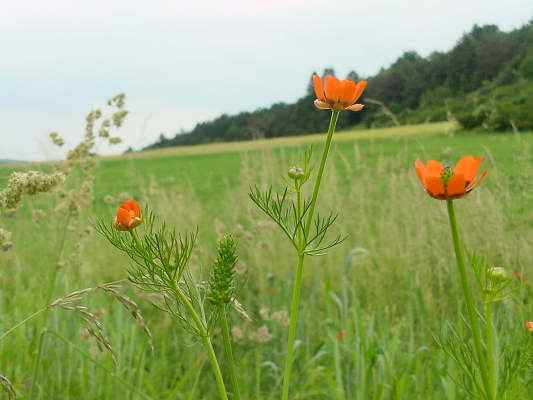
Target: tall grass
point(371, 306)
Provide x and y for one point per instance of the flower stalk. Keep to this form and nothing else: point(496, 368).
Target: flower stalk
point(295, 216)
point(228, 351)
point(206, 340)
point(482, 358)
point(160, 258)
point(302, 242)
point(492, 368)
point(318, 181)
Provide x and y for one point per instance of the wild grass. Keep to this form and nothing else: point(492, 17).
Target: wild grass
point(371, 307)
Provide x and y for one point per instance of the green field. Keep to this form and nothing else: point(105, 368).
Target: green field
point(370, 308)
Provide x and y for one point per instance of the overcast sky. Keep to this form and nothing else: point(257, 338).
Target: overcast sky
point(183, 62)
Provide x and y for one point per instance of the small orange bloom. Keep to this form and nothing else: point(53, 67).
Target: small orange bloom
point(529, 326)
point(128, 216)
point(332, 94)
point(447, 183)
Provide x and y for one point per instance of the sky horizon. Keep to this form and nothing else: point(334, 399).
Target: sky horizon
point(183, 64)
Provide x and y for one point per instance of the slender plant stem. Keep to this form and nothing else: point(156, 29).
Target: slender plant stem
point(299, 230)
point(318, 181)
point(86, 355)
point(226, 339)
point(258, 373)
point(201, 327)
point(216, 368)
point(296, 290)
point(36, 365)
point(470, 306)
point(206, 341)
point(36, 314)
point(28, 318)
point(292, 326)
point(491, 356)
point(61, 247)
point(337, 357)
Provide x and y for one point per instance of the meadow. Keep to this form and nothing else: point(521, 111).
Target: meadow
point(371, 308)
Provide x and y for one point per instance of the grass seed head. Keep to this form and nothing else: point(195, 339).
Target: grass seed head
point(5, 240)
point(8, 387)
point(56, 139)
point(222, 279)
point(28, 183)
point(262, 335)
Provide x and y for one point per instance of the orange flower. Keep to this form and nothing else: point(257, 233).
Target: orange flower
point(529, 326)
point(333, 94)
point(128, 216)
point(447, 183)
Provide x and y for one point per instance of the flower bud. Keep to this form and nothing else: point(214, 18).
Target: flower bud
point(128, 216)
point(296, 172)
point(529, 326)
point(498, 275)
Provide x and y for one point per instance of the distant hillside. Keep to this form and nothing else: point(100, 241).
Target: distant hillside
point(413, 89)
point(7, 161)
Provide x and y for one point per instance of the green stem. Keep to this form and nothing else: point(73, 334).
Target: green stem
point(470, 306)
point(296, 290)
point(37, 363)
point(205, 339)
point(53, 278)
point(258, 373)
point(111, 372)
point(28, 318)
point(292, 327)
point(338, 369)
point(318, 181)
point(200, 326)
point(299, 230)
point(491, 356)
point(228, 350)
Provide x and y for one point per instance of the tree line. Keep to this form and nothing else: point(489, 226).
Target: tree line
point(484, 81)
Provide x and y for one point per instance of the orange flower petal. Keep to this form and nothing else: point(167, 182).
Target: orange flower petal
point(434, 168)
point(421, 170)
point(359, 88)
point(355, 107)
point(319, 88)
point(476, 181)
point(331, 89)
point(322, 105)
point(456, 186)
point(346, 91)
point(122, 219)
point(468, 166)
point(434, 186)
point(132, 205)
point(128, 215)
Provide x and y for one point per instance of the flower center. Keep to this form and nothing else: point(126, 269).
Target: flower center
point(446, 175)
